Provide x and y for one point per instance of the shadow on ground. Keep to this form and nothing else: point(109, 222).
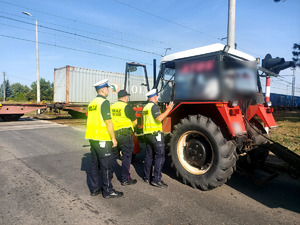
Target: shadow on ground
point(281, 192)
point(85, 166)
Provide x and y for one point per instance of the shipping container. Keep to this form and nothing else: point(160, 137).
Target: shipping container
point(74, 85)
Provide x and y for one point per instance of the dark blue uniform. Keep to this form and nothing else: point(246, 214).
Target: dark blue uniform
point(125, 144)
point(103, 159)
point(155, 150)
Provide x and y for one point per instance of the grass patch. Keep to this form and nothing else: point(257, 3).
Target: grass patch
point(287, 132)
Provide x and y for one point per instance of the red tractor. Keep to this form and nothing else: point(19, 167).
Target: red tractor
point(215, 125)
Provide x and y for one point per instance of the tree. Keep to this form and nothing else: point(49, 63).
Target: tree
point(8, 90)
point(296, 54)
point(18, 88)
point(46, 90)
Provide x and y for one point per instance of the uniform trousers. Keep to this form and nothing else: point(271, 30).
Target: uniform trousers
point(103, 160)
point(155, 150)
point(125, 144)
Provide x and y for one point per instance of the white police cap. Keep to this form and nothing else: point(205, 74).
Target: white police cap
point(151, 93)
point(101, 84)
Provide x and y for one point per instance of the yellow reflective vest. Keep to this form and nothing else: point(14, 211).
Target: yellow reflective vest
point(150, 124)
point(118, 116)
point(96, 128)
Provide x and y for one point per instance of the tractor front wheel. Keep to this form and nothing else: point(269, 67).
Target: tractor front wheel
point(200, 153)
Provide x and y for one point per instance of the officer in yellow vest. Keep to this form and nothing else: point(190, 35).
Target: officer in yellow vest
point(155, 145)
point(100, 132)
point(124, 119)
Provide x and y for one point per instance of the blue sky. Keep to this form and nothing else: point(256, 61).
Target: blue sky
point(105, 34)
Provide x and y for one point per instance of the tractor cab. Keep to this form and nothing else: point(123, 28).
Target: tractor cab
point(210, 73)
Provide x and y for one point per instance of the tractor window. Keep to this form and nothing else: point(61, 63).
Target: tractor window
point(166, 85)
point(197, 80)
point(169, 74)
point(239, 77)
point(137, 83)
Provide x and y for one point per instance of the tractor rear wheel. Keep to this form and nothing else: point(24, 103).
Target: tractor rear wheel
point(200, 153)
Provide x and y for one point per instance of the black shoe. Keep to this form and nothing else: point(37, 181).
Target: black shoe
point(159, 184)
point(114, 194)
point(147, 181)
point(129, 182)
point(95, 193)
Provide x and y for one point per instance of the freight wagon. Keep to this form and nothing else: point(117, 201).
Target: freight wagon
point(283, 102)
point(13, 112)
point(73, 88)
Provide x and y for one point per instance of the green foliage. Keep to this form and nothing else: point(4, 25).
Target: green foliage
point(46, 91)
point(20, 97)
point(18, 92)
point(8, 90)
point(18, 88)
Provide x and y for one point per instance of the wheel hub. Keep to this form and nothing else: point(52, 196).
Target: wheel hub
point(195, 153)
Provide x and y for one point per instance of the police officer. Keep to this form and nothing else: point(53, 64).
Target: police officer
point(124, 119)
point(155, 146)
point(100, 132)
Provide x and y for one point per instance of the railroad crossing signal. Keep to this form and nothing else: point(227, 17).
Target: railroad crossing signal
point(277, 64)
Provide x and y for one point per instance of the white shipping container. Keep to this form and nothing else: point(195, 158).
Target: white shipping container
point(74, 85)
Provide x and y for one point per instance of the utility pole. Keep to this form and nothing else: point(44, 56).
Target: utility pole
point(293, 88)
point(4, 88)
point(231, 23)
point(38, 98)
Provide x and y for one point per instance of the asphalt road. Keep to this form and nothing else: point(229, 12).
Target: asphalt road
point(43, 180)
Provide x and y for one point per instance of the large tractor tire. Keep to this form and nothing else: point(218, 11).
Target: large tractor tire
point(200, 153)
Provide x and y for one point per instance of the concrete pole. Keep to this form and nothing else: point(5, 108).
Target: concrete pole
point(293, 88)
point(231, 23)
point(38, 95)
point(4, 88)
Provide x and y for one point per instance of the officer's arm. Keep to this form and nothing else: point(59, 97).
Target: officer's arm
point(105, 112)
point(110, 129)
point(162, 116)
point(134, 123)
point(130, 114)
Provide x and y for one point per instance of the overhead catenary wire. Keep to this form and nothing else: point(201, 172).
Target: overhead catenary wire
point(83, 36)
point(53, 34)
point(22, 78)
point(86, 31)
point(165, 19)
point(77, 21)
point(178, 24)
point(73, 49)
